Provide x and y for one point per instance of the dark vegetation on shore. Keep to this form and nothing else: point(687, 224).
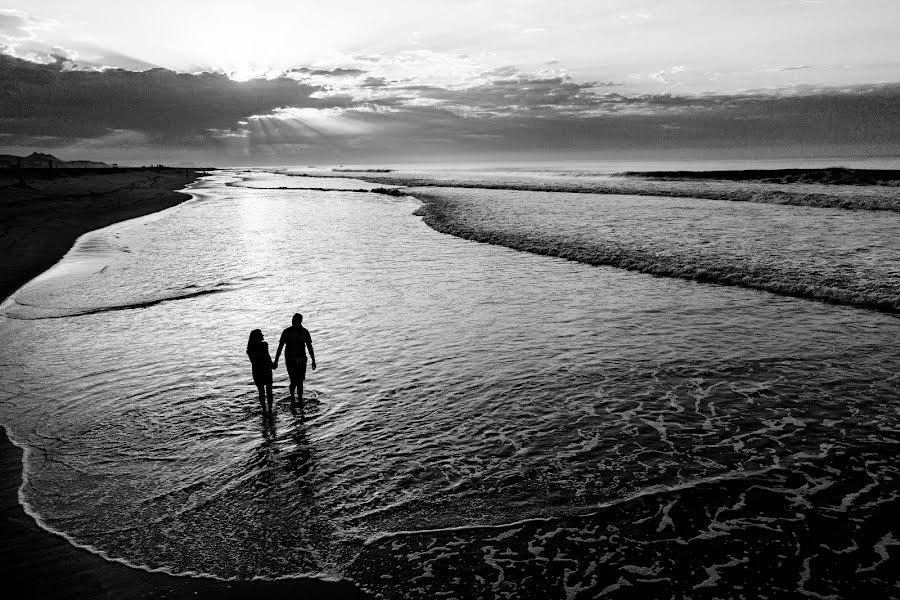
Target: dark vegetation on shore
point(40, 160)
point(829, 176)
point(29, 175)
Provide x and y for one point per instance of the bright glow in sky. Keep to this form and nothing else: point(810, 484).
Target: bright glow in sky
point(696, 46)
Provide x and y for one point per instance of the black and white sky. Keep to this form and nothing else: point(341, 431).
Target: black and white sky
point(355, 81)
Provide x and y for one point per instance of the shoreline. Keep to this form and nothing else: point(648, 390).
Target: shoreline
point(702, 186)
point(827, 176)
point(43, 214)
point(39, 223)
point(450, 216)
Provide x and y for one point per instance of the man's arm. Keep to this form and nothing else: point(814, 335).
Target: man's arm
point(311, 353)
point(278, 352)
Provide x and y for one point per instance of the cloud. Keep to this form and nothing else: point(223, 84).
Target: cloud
point(782, 69)
point(504, 96)
point(168, 107)
point(560, 115)
point(36, 40)
point(635, 17)
point(523, 94)
point(16, 25)
point(374, 82)
point(339, 72)
point(369, 114)
point(665, 76)
point(503, 72)
point(19, 37)
point(60, 54)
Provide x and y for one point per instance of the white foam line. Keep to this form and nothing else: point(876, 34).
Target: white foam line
point(880, 549)
point(660, 489)
point(713, 575)
point(805, 576)
point(83, 237)
point(666, 520)
point(31, 512)
point(849, 498)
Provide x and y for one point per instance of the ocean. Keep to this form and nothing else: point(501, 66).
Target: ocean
point(612, 395)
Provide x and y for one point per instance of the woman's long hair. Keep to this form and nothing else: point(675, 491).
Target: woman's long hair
point(256, 337)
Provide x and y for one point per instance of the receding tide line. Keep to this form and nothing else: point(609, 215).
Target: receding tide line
point(594, 511)
point(31, 512)
point(438, 213)
point(713, 190)
point(101, 309)
point(379, 190)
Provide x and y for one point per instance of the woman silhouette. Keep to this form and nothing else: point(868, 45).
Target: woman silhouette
point(258, 351)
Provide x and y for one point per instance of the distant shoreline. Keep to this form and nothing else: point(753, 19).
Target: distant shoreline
point(829, 176)
point(41, 215)
point(760, 186)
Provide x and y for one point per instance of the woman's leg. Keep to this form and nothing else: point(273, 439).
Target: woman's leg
point(262, 395)
point(268, 395)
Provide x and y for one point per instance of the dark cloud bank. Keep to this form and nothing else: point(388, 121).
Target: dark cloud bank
point(39, 101)
point(47, 106)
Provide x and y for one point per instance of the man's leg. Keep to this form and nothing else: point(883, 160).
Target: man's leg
point(292, 375)
point(301, 376)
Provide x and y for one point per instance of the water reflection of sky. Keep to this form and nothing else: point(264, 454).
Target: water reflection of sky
point(458, 383)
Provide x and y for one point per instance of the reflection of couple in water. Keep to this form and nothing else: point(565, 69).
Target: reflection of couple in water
point(294, 340)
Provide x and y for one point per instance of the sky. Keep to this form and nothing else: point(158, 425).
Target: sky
point(351, 81)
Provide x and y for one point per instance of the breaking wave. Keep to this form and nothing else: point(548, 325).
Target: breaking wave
point(792, 193)
point(831, 175)
point(702, 538)
point(842, 258)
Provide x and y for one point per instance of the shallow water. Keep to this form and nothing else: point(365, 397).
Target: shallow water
point(842, 256)
point(606, 179)
point(589, 415)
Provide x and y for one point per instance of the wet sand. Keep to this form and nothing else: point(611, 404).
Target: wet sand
point(42, 213)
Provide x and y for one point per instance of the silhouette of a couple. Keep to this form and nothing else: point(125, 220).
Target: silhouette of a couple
point(294, 340)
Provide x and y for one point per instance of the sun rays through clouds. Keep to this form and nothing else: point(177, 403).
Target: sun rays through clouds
point(298, 82)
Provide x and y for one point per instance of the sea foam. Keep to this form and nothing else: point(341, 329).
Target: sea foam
point(841, 257)
point(792, 193)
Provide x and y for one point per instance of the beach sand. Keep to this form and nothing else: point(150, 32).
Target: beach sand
point(42, 218)
point(42, 213)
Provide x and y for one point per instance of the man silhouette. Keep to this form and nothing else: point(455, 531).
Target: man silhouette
point(297, 339)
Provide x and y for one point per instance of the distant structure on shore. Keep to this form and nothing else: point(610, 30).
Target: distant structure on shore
point(44, 161)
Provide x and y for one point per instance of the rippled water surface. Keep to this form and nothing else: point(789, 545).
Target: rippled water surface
point(540, 423)
point(844, 256)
